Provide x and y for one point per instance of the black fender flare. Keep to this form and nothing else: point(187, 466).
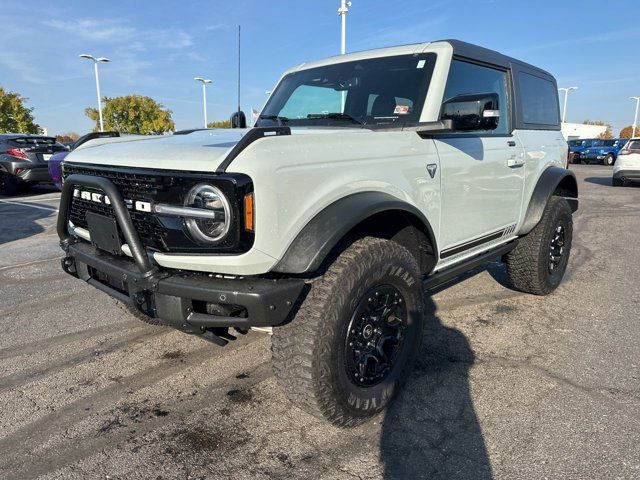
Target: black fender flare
point(323, 232)
point(550, 180)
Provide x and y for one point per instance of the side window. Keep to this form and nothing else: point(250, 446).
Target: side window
point(468, 78)
point(539, 99)
point(311, 99)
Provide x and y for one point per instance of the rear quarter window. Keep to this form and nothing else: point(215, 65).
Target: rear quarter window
point(539, 100)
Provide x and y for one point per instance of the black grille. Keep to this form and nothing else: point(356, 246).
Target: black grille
point(132, 186)
point(162, 232)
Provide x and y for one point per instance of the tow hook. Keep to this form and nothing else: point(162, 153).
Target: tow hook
point(69, 266)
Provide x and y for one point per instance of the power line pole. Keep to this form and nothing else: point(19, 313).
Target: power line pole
point(204, 82)
point(342, 11)
point(95, 69)
point(635, 118)
point(239, 74)
point(566, 96)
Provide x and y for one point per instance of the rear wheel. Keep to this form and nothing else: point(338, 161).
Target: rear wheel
point(539, 261)
point(353, 342)
point(8, 184)
point(617, 182)
point(609, 160)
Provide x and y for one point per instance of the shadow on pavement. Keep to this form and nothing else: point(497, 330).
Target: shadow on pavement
point(19, 221)
point(599, 180)
point(431, 430)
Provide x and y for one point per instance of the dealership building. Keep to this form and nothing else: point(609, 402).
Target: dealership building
point(575, 131)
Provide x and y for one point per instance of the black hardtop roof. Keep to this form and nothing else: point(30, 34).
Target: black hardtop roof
point(475, 52)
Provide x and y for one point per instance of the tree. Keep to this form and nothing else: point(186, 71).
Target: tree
point(220, 124)
point(15, 117)
point(606, 134)
point(133, 114)
point(627, 132)
point(67, 137)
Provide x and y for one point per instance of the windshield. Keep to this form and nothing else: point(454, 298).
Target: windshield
point(633, 145)
point(378, 91)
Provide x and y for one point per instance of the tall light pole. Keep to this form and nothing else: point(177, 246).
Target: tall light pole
point(566, 96)
point(342, 11)
point(95, 69)
point(635, 118)
point(204, 82)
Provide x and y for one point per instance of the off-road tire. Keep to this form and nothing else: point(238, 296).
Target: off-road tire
point(608, 160)
point(528, 263)
point(8, 184)
point(616, 182)
point(309, 353)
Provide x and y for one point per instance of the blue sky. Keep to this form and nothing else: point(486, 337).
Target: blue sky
point(158, 47)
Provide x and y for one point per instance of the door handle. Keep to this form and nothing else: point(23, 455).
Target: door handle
point(511, 143)
point(515, 162)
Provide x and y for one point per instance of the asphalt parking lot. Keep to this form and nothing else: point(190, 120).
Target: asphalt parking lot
point(508, 385)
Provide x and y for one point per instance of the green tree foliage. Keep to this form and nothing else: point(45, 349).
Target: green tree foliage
point(627, 132)
point(220, 124)
point(133, 114)
point(606, 134)
point(15, 117)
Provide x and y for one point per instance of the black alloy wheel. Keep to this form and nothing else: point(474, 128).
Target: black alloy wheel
point(556, 249)
point(375, 335)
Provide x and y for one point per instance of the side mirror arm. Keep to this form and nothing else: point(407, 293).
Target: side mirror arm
point(429, 128)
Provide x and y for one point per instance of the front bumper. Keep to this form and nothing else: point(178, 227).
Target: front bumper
point(180, 299)
point(193, 302)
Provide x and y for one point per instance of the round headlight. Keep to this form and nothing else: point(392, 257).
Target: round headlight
point(209, 228)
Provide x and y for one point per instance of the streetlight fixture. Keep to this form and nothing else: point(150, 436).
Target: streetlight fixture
point(95, 69)
point(204, 82)
point(566, 96)
point(342, 11)
point(635, 118)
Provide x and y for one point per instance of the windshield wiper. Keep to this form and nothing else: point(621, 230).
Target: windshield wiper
point(281, 120)
point(335, 116)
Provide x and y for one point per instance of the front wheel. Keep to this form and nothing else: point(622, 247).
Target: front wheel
point(616, 182)
point(353, 342)
point(539, 261)
point(609, 160)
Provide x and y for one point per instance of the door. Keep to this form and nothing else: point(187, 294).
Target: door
point(482, 171)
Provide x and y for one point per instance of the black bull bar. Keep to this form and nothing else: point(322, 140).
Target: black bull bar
point(165, 294)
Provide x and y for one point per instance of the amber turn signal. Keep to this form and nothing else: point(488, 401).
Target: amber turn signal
point(249, 219)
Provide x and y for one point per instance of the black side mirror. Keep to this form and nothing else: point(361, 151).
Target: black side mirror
point(472, 111)
point(238, 120)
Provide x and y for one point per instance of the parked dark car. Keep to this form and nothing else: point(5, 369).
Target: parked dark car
point(24, 160)
point(55, 164)
point(603, 151)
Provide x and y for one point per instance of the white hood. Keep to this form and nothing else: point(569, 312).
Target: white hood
point(199, 151)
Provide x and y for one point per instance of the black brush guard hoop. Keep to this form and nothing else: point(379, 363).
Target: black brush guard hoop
point(119, 210)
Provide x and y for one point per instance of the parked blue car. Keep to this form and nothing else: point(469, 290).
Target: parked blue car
point(55, 163)
point(603, 151)
point(576, 147)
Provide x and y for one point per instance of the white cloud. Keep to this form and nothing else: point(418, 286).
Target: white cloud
point(94, 30)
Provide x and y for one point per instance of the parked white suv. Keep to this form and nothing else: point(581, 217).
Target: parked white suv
point(627, 166)
point(369, 178)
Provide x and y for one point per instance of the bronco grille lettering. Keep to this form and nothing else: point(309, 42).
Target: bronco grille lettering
point(103, 199)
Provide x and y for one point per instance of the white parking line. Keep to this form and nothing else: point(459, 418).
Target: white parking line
point(27, 204)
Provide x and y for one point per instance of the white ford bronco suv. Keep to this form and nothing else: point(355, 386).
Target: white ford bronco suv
point(368, 179)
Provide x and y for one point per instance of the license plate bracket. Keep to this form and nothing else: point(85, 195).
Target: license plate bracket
point(104, 233)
